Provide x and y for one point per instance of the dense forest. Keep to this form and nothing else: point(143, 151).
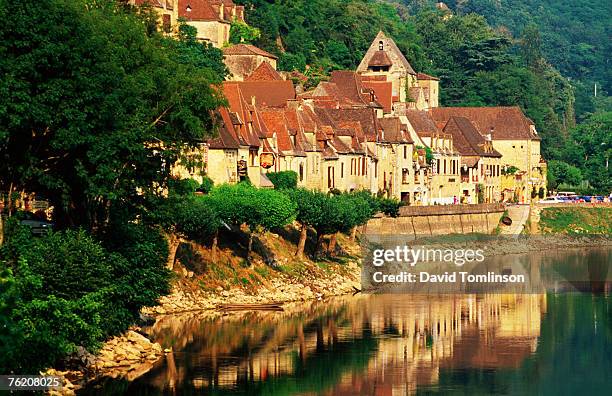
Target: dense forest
point(480, 61)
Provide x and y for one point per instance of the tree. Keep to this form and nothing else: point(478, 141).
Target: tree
point(95, 109)
point(283, 180)
point(560, 172)
point(240, 32)
point(310, 207)
point(259, 209)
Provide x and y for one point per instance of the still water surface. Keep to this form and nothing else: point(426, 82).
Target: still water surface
point(548, 343)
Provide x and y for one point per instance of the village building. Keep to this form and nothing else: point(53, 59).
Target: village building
point(245, 61)
point(480, 162)
point(514, 136)
point(211, 18)
point(443, 179)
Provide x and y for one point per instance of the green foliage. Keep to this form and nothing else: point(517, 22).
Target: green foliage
point(89, 96)
point(511, 170)
point(207, 185)
point(389, 206)
point(428, 153)
point(283, 179)
point(240, 32)
point(561, 172)
point(331, 34)
point(196, 219)
point(258, 208)
point(589, 149)
point(577, 220)
point(67, 289)
point(182, 186)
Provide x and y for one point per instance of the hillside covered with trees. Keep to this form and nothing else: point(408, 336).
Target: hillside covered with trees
point(479, 61)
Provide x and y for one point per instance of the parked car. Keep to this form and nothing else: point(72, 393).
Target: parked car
point(38, 225)
point(552, 200)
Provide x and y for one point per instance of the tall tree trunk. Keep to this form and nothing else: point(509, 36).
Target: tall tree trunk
point(215, 244)
point(302, 241)
point(173, 244)
point(1, 229)
point(353, 234)
point(249, 248)
point(319, 247)
point(332, 244)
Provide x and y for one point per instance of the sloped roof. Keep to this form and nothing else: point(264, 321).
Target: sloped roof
point(380, 58)
point(392, 47)
point(423, 76)
point(201, 10)
point(240, 115)
point(466, 138)
point(422, 122)
point(227, 138)
point(383, 91)
point(508, 123)
point(393, 129)
point(246, 49)
point(365, 116)
point(264, 72)
point(267, 93)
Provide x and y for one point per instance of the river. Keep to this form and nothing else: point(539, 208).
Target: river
point(546, 343)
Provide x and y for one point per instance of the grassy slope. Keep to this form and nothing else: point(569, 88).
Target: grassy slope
point(579, 220)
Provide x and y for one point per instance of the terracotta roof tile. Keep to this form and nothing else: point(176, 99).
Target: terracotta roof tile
point(422, 123)
point(267, 93)
point(227, 138)
point(508, 123)
point(383, 91)
point(246, 49)
point(394, 131)
point(201, 10)
point(380, 58)
point(467, 139)
point(423, 76)
point(264, 72)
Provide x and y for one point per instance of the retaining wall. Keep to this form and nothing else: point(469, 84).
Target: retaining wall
point(439, 220)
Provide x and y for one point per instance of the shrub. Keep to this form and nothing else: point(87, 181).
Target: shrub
point(207, 185)
point(70, 263)
point(283, 180)
point(182, 186)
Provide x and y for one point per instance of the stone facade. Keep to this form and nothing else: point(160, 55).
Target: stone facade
point(378, 129)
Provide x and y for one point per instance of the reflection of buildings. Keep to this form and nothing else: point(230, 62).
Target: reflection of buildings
point(412, 338)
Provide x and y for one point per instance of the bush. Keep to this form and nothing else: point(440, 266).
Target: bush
point(182, 186)
point(196, 219)
point(68, 289)
point(207, 185)
point(283, 180)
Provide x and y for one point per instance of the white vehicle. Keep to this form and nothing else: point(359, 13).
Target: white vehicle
point(551, 200)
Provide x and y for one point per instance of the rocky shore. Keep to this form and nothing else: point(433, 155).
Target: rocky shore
point(281, 289)
point(128, 356)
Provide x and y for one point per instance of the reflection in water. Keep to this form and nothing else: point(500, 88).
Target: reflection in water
point(390, 345)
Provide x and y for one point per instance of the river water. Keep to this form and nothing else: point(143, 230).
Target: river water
point(547, 343)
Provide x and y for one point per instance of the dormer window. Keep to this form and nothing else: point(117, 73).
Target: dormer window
point(380, 46)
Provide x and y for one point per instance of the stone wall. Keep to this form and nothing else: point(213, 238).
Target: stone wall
point(439, 220)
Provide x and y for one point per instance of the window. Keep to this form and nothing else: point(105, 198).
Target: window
point(166, 23)
point(363, 167)
point(380, 46)
point(405, 152)
point(342, 170)
point(405, 175)
point(301, 172)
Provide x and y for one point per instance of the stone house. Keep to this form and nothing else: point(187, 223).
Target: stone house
point(247, 62)
point(444, 176)
point(211, 18)
point(513, 135)
point(396, 153)
point(480, 162)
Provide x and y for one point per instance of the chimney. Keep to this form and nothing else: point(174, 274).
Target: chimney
point(490, 134)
